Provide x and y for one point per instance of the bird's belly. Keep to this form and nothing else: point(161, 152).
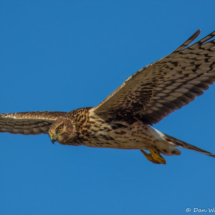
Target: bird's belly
point(135, 136)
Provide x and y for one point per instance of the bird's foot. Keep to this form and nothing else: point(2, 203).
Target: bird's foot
point(149, 157)
point(156, 156)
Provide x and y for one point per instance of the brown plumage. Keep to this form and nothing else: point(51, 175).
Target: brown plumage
point(122, 120)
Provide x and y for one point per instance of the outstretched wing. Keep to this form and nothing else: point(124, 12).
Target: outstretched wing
point(28, 122)
point(164, 86)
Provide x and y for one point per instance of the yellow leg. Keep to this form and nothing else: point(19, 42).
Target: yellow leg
point(149, 157)
point(156, 156)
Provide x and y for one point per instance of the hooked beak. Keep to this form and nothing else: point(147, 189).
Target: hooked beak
point(53, 138)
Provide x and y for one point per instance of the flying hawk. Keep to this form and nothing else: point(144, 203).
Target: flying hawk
point(123, 120)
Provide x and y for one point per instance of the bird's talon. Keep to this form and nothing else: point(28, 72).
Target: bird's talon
point(156, 156)
point(149, 157)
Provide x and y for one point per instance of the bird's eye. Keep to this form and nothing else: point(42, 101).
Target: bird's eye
point(60, 128)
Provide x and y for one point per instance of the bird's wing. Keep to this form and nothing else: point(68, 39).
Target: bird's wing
point(28, 122)
point(158, 89)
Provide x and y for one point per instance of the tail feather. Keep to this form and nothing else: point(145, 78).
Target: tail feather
point(177, 142)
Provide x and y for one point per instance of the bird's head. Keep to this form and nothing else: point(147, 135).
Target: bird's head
point(62, 130)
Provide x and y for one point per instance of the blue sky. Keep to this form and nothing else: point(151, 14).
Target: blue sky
point(62, 55)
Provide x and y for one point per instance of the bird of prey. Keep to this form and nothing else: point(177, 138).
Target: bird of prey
point(124, 119)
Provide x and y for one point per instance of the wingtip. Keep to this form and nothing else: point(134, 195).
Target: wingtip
point(187, 42)
point(197, 33)
point(194, 36)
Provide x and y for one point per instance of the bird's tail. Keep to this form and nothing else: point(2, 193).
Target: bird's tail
point(177, 142)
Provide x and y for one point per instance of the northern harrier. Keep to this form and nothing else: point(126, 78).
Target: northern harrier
point(123, 119)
